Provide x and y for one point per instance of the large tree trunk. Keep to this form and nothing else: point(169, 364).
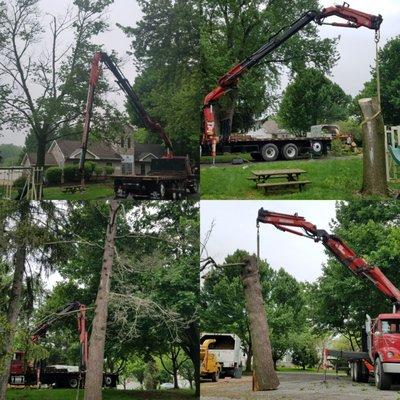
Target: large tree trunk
point(263, 365)
point(191, 346)
point(40, 161)
point(94, 374)
point(14, 306)
point(374, 165)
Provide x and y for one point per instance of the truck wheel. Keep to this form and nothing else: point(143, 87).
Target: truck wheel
point(269, 152)
point(357, 371)
point(73, 383)
point(317, 148)
point(108, 381)
point(290, 151)
point(215, 376)
point(383, 380)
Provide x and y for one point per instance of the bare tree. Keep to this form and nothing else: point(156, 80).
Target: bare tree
point(94, 374)
point(46, 92)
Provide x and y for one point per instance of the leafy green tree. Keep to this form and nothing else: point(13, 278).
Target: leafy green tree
point(312, 99)
point(165, 43)
point(390, 83)
point(231, 31)
point(304, 352)
point(339, 302)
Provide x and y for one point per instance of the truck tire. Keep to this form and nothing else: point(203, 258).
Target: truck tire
point(352, 371)
point(290, 151)
point(317, 148)
point(73, 383)
point(108, 381)
point(215, 376)
point(383, 381)
point(269, 152)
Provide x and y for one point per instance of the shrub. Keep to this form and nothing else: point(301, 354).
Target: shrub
point(20, 182)
point(53, 175)
point(98, 170)
point(89, 168)
point(109, 170)
point(71, 173)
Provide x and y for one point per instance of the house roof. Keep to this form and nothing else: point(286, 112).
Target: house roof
point(143, 150)
point(101, 150)
point(32, 158)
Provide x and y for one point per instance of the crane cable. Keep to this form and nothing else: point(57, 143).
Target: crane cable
point(378, 77)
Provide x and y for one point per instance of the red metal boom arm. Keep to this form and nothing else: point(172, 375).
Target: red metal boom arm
point(72, 307)
point(343, 253)
point(230, 80)
point(133, 98)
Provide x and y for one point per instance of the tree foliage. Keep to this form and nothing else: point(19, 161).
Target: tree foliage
point(165, 44)
point(312, 99)
point(390, 83)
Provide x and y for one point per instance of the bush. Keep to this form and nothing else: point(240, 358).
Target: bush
point(98, 170)
point(89, 169)
point(109, 170)
point(71, 173)
point(53, 175)
point(20, 182)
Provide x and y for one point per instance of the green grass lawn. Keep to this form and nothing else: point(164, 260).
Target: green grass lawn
point(94, 191)
point(332, 179)
point(70, 394)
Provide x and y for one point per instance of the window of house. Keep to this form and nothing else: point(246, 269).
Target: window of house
point(109, 164)
point(129, 143)
point(122, 142)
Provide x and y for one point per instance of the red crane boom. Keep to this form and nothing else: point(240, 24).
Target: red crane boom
point(343, 253)
point(229, 81)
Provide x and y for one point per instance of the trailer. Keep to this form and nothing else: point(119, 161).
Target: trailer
point(167, 179)
point(276, 147)
point(227, 348)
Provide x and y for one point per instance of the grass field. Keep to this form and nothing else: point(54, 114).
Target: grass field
point(70, 394)
point(332, 179)
point(94, 191)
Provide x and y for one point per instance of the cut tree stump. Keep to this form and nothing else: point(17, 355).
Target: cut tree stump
point(265, 377)
point(373, 134)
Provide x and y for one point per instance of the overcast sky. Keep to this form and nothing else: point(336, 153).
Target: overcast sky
point(235, 228)
point(356, 47)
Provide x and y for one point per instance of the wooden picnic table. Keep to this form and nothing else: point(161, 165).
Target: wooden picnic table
point(290, 174)
point(73, 189)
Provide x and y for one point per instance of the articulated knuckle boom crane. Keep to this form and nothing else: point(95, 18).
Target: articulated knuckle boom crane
point(72, 307)
point(123, 83)
point(26, 374)
point(229, 81)
point(382, 348)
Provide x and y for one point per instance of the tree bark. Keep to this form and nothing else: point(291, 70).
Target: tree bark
point(94, 374)
point(263, 365)
point(374, 165)
point(14, 305)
